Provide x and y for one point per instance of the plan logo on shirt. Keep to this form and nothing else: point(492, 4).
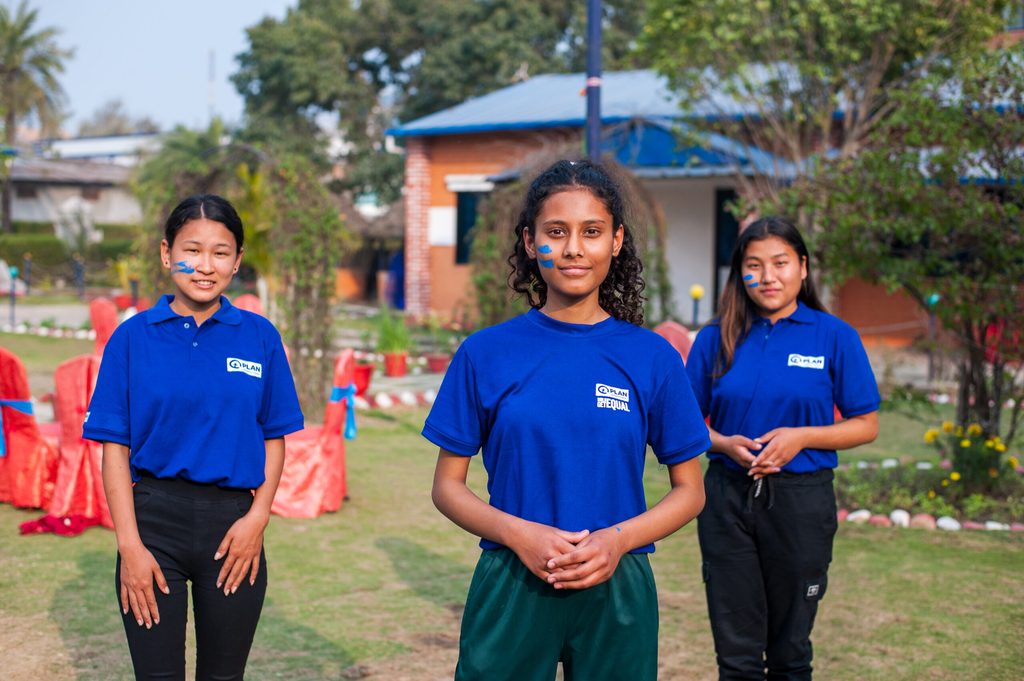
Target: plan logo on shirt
point(246, 367)
point(610, 397)
point(806, 362)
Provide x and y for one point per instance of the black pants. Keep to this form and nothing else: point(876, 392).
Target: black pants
point(766, 554)
point(182, 523)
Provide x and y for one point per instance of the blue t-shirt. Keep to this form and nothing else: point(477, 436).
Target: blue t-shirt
point(564, 413)
point(789, 374)
point(195, 402)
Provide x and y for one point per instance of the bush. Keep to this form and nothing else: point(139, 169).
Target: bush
point(47, 251)
point(936, 491)
point(23, 227)
point(108, 249)
point(113, 232)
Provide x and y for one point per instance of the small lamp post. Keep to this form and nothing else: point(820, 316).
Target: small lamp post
point(78, 267)
point(931, 301)
point(696, 292)
point(133, 282)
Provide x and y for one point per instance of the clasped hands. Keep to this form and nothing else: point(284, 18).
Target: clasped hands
point(767, 454)
point(568, 560)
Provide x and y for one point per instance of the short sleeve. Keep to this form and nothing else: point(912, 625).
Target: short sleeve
point(855, 391)
point(456, 421)
point(280, 413)
point(700, 365)
point(676, 429)
point(108, 416)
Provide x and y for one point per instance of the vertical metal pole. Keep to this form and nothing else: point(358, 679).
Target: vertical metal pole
point(594, 80)
point(14, 274)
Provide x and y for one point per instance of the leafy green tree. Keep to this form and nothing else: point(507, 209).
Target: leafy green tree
point(30, 63)
point(112, 119)
point(933, 206)
point(801, 78)
point(372, 61)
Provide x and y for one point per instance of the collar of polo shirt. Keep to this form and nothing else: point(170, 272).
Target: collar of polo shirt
point(802, 315)
point(161, 312)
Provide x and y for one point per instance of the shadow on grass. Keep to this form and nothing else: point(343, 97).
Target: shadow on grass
point(433, 577)
point(86, 611)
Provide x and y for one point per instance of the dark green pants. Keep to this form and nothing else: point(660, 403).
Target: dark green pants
point(517, 628)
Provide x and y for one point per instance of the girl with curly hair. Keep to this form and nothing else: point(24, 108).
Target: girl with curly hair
point(563, 402)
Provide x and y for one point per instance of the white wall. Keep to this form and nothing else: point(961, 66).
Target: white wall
point(689, 208)
point(115, 205)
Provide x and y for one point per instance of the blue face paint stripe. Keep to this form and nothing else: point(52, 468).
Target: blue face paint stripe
point(182, 267)
point(748, 277)
point(752, 285)
point(550, 264)
point(544, 249)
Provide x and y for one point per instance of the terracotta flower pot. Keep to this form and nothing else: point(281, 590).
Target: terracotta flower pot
point(395, 363)
point(361, 377)
point(437, 362)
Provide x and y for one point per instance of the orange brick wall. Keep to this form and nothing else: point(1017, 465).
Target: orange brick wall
point(881, 318)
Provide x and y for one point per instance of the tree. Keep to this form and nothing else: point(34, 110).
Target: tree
point(112, 119)
point(30, 62)
point(934, 206)
point(293, 233)
point(802, 79)
point(372, 61)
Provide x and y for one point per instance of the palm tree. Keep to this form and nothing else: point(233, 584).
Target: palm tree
point(30, 61)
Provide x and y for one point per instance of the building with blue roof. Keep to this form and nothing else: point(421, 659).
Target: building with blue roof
point(455, 156)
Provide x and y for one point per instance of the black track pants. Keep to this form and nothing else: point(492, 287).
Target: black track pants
point(766, 553)
point(182, 523)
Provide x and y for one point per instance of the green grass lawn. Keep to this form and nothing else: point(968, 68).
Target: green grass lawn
point(377, 590)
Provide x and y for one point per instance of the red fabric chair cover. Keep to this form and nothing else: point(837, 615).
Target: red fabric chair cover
point(79, 482)
point(313, 480)
point(28, 470)
point(103, 313)
point(249, 303)
point(677, 335)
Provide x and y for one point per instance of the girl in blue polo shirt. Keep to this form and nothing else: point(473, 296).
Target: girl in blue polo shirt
point(769, 373)
point(192, 403)
point(563, 401)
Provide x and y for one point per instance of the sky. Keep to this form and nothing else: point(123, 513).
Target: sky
point(154, 55)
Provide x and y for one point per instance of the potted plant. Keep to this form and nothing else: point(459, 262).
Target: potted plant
point(440, 346)
point(393, 341)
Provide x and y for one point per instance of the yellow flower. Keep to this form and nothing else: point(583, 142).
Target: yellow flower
point(931, 435)
point(974, 429)
point(947, 427)
point(965, 443)
point(931, 494)
point(990, 443)
point(1013, 462)
point(959, 431)
point(945, 483)
point(993, 473)
point(1000, 447)
point(954, 476)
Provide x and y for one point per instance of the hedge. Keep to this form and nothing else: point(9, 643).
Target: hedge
point(108, 249)
point(47, 251)
point(23, 227)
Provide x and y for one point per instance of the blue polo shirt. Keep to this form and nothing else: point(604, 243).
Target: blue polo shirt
point(787, 374)
point(564, 414)
point(195, 402)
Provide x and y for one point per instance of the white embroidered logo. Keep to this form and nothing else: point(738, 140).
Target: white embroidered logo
point(796, 360)
point(610, 397)
point(246, 367)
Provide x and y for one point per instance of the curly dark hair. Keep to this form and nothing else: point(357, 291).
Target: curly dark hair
point(621, 293)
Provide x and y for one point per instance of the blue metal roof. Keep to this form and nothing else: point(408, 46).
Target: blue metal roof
point(558, 100)
point(652, 148)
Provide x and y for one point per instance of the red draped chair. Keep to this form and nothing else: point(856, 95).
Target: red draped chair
point(79, 482)
point(29, 462)
point(677, 335)
point(313, 480)
point(249, 303)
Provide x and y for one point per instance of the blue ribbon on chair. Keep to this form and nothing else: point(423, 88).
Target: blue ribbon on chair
point(348, 393)
point(24, 406)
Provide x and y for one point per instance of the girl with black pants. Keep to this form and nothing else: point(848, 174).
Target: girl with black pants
point(192, 403)
point(769, 374)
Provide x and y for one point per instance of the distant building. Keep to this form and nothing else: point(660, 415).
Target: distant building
point(454, 157)
point(48, 190)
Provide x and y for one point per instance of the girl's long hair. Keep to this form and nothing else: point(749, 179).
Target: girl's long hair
point(621, 292)
point(736, 310)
